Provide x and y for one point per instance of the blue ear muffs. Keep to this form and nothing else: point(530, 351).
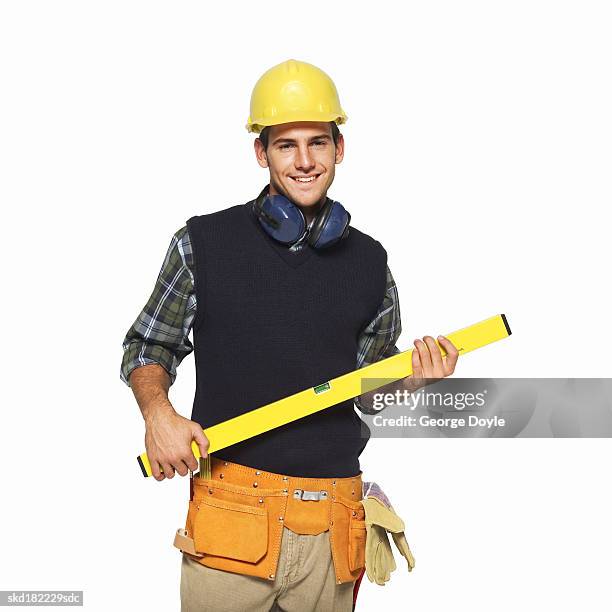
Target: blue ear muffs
point(285, 222)
point(281, 219)
point(330, 226)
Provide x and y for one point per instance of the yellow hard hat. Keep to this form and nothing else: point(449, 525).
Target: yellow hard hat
point(294, 91)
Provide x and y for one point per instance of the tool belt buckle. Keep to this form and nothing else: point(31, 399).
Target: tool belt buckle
point(305, 495)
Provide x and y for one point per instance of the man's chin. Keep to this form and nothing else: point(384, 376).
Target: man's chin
point(301, 198)
point(306, 200)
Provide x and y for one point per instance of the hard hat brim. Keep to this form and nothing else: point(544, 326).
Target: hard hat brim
point(259, 124)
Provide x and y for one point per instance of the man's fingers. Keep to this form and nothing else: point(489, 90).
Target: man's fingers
point(424, 357)
point(452, 354)
point(171, 466)
point(417, 370)
point(436, 356)
point(201, 440)
point(179, 463)
point(190, 461)
point(168, 470)
point(156, 470)
point(182, 468)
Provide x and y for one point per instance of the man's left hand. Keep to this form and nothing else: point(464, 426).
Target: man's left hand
point(428, 363)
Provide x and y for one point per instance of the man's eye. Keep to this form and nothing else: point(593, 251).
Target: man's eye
point(319, 142)
point(286, 146)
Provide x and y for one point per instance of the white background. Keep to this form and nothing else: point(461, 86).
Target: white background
point(477, 151)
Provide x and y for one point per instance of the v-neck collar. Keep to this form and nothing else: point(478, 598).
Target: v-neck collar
point(291, 258)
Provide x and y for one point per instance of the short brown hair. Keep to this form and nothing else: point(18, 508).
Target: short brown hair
point(265, 134)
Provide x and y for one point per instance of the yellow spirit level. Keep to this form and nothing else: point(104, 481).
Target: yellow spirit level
point(337, 390)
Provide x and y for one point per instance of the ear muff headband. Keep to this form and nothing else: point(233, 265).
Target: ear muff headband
point(319, 223)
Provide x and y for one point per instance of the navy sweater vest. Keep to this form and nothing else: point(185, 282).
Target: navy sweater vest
point(270, 323)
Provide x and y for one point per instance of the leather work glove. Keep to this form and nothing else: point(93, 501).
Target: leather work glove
point(380, 518)
point(379, 560)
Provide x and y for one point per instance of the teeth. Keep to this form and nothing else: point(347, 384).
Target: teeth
point(304, 180)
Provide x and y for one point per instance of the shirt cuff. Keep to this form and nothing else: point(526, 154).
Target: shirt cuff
point(137, 355)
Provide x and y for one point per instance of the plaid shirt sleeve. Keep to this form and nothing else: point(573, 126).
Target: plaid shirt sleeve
point(160, 333)
point(377, 340)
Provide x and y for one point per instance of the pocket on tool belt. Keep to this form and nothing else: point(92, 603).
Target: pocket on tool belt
point(357, 543)
point(350, 531)
point(228, 529)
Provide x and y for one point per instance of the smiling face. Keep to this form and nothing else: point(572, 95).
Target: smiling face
point(301, 158)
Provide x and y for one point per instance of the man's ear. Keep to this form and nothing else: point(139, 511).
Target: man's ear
point(340, 149)
point(260, 153)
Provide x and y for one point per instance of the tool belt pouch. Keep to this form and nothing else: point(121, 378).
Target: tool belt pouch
point(239, 528)
point(235, 528)
point(348, 538)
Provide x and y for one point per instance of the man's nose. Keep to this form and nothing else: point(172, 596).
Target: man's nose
point(304, 160)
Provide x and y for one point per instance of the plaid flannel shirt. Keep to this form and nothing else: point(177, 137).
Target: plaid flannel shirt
point(160, 334)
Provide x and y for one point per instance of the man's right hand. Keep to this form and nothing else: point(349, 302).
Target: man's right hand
point(168, 440)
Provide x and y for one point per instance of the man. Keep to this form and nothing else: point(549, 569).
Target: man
point(281, 295)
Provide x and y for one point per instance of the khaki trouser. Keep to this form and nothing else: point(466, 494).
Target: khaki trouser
point(305, 582)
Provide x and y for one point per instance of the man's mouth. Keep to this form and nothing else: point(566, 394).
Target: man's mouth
point(306, 179)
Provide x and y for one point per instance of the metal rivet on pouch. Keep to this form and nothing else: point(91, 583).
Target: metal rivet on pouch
point(255, 484)
point(285, 478)
point(285, 490)
point(261, 500)
point(354, 513)
point(280, 518)
point(210, 490)
point(257, 473)
point(352, 492)
point(271, 576)
point(334, 482)
point(225, 463)
point(221, 476)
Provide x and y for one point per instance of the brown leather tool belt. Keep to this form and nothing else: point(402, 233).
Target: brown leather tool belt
point(236, 519)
